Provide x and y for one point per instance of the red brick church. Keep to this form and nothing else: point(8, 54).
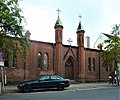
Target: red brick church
point(74, 62)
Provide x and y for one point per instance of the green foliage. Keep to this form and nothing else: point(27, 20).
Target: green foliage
point(11, 27)
point(111, 54)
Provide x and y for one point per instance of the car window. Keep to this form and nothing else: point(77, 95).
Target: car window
point(53, 77)
point(44, 78)
point(58, 77)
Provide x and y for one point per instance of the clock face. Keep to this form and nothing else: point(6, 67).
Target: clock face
point(69, 62)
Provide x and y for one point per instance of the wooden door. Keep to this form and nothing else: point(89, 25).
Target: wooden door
point(69, 72)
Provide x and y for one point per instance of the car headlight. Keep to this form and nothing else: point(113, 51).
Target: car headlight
point(20, 85)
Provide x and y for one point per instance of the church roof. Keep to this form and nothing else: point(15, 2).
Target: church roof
point(58, 23)
point(109, 36)
point(80, 27)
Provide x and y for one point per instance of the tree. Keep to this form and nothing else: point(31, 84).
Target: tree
point(12, 39)
point(111, 54)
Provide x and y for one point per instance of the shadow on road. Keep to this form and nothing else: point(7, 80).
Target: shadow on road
point(41, 90)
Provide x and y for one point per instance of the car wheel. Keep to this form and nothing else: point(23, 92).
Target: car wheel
point(60, 87)
point(27, 88)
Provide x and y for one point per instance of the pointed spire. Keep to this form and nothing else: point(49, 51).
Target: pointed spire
point(80, 27)
point(58, 22)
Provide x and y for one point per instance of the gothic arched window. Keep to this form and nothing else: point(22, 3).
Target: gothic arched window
point(89, 64)
point(15, 57)
point(14, 60)
point(39, 60)
point(107, 68)
point(6, 61)
point(46, 61)
point(93, 64)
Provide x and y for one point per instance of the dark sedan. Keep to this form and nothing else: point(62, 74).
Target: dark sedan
point(47, 81)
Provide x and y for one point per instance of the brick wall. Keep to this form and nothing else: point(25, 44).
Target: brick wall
point(31, 71)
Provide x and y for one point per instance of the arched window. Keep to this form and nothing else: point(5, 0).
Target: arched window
point(110, 68)
point(46, 62)
point(93, 64)
point(14, 60)
point(6, 60)
point(107, 68)
point(39, 60)
point(89, 64)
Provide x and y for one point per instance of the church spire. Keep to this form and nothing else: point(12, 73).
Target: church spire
point(80, 27)
point(58, 22)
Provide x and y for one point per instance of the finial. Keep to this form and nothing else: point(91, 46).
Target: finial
point(80, 17)
point(58, 11)
point(80, 27)
point(69, 41)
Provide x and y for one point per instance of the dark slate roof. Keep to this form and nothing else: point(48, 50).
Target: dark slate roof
point(80, 27)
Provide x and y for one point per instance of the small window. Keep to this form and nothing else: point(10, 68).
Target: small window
point(14, 60)
point(6, 61)
point(106, 68)
point(89, 64)
point(110, 68)
point(39, 60)
point(93, 64)
point(46, 62)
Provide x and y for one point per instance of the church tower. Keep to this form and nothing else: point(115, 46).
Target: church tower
point(80, 42)
point(58, 40)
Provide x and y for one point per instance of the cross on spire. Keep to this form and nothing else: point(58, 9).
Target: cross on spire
point(69, 41)
point(80, 17)
point(58, 11)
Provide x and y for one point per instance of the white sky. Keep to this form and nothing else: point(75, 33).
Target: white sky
point(97, 16)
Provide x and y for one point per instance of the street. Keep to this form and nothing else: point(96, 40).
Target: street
point(92, 94)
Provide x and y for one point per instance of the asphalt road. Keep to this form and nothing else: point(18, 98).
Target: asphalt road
point(92, 94)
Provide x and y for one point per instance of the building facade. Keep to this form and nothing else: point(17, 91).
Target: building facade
point(74, 62)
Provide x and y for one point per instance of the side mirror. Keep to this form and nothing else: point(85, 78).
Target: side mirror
point(38, 80)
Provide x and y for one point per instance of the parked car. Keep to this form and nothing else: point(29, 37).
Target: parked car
point(47, 81)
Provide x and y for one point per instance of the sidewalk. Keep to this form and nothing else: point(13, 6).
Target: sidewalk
point(81, 86)
point(87, 86)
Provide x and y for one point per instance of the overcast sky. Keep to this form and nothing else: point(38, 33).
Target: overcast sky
point(97, 16)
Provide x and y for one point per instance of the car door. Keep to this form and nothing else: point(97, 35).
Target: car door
point(42, 82)
point(54, 81)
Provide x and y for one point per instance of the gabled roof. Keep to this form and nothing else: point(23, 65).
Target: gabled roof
point(70, 49)
point(109, 36)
